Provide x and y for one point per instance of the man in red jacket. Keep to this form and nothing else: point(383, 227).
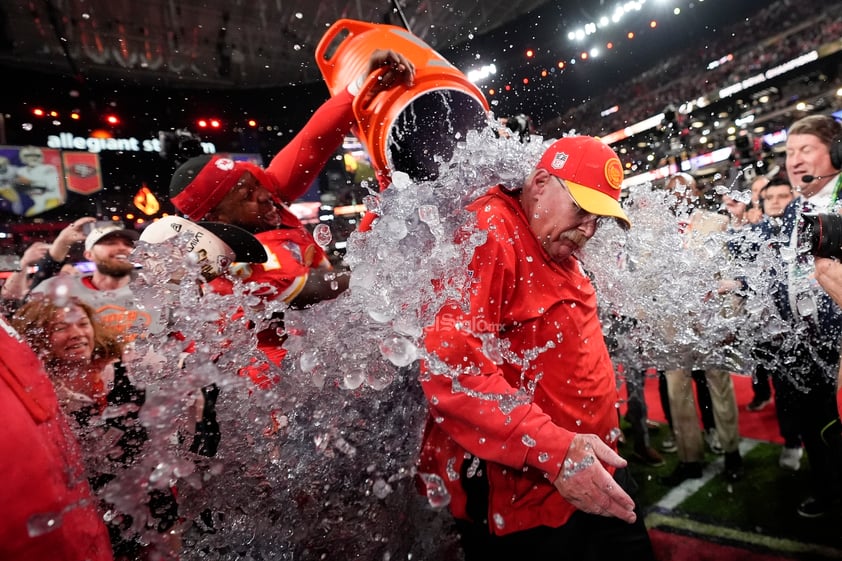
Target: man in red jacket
point(48, 509)
point(297, 271)
point(222, 190)
point(521, 390)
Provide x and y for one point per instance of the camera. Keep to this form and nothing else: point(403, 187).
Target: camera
point(180, 145)
point(820, 235)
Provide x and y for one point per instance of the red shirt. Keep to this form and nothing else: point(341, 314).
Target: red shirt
point(41, 470)
point(532, 306)
point(292, 254)
point(299, 163)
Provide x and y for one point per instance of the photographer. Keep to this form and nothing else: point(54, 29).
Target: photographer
point(808, 357)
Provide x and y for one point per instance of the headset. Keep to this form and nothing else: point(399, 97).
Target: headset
point(836, 152)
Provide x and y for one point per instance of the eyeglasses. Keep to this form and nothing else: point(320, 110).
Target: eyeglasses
point(586, 216)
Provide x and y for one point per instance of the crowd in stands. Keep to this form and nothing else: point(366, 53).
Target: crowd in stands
point(747, 47)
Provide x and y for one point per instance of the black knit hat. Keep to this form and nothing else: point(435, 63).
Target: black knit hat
point(187, 172)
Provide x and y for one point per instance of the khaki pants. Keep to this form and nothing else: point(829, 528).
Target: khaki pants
point(685, 419)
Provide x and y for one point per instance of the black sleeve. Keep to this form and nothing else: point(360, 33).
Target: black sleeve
point(47, 268)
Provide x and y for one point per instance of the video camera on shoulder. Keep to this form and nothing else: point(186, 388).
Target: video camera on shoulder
point(820, 235)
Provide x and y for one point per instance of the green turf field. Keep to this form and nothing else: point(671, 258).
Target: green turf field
point(759, 511)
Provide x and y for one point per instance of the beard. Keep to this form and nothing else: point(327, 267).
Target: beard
point(115, 268)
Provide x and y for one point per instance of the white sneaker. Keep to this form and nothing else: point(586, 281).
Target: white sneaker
point(791, 458)
point(668, 444)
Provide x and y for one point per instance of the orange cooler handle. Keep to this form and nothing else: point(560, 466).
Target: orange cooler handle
point(327, 65)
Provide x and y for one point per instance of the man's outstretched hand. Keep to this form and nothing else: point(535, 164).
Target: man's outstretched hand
point(399, 69)
point(586, 484)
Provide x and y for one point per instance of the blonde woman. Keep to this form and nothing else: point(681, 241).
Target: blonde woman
point(83, 359)
point(77, 351)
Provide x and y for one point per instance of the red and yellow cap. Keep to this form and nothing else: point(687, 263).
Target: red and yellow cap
point(592, 172)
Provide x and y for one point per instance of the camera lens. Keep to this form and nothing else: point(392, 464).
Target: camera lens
point(821, 235)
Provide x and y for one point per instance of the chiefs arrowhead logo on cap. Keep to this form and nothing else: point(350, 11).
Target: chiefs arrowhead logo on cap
point(225, 164)
point(614, 173)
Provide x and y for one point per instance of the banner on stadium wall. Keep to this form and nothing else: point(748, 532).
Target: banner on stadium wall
point(82, 172)
point(36, 179)
point(31, 180)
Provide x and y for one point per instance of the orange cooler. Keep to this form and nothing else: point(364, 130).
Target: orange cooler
point(403, 129)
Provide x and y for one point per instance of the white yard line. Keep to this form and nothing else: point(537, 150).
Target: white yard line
point(678, 495)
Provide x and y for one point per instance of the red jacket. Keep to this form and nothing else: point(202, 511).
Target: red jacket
point(299, 163)
point(544, 314)
point(292, 252)
point(292, 255)
point(41, 469)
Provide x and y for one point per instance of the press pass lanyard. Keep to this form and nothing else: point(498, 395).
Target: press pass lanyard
point(835, 196)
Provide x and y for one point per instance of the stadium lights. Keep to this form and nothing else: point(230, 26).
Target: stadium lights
point(604, 21)
point(209, 123)
point(482, 73)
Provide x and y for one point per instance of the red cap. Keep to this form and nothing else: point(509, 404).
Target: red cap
point(201, 183)
point(592, 172)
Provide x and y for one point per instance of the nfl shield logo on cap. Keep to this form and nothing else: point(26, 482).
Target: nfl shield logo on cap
point(559, 160)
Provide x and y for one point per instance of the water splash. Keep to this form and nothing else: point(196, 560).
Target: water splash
point(316, 455)
point(43, 523)
point(322, 235)
point(658, 290)
point(571, 468)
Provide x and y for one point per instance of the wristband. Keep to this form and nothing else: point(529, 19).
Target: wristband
point(355, 86)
